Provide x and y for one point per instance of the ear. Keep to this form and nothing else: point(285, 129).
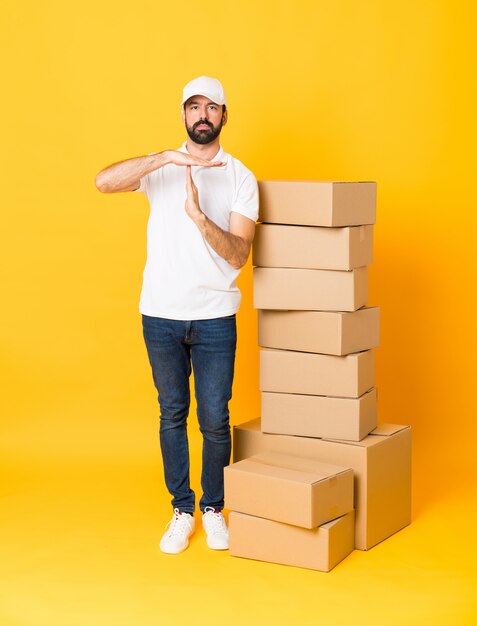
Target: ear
point(224, 117)
point(183, 114)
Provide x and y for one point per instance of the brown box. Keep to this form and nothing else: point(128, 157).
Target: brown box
point(310, 290)
point(327, 332)
point(265, 540)
point(314, 247)
point(319, 416)
point(248, 440)
point(347, 376)
point(284, 488)
point(317, 203)
point(382, 472)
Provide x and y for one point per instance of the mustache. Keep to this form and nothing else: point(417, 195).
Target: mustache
point(209, 124)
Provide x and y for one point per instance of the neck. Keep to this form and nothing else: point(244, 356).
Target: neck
point(204, 151)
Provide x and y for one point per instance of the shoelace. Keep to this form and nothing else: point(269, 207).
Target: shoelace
point(179, 524)
point(219, 525)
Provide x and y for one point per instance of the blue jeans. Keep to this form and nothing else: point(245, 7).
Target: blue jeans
point(209, 345)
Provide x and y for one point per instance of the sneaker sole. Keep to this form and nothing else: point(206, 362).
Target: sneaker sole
point(173, 551)
point(217, 548)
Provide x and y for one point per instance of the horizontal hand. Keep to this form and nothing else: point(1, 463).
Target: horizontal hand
point(182, 158)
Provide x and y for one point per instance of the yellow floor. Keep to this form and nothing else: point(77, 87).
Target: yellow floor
point(79, 547)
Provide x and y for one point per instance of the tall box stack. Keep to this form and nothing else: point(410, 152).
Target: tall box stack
point(317, 379)
point(311, 253)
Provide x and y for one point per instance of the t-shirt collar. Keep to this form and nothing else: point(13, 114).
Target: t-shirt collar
point(218, 157)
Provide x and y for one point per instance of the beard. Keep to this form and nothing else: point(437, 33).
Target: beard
point(204, 136)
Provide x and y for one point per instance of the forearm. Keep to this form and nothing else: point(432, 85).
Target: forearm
point(125, 175)
point(232, 248)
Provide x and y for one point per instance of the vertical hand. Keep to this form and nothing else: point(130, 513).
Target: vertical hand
point(192, 201)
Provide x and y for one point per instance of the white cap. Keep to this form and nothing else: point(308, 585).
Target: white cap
point(204, 86)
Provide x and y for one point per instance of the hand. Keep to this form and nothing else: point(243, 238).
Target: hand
point(182, 158)
point(192, 201)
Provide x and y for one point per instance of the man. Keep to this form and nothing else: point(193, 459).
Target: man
point(203, 208)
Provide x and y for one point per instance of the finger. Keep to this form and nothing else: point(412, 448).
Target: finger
point(189, 181)
point(198, 162)
point(191, 187)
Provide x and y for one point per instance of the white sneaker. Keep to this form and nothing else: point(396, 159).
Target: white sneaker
point(176, 538)
point(216, 529)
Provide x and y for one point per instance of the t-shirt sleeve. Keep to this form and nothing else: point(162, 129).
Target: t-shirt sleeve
point(246, 199)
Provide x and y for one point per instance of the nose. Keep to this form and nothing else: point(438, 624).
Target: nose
point(204, 112)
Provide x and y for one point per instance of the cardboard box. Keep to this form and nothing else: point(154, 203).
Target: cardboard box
point(248, 440)
point(286, 371)
point(284, 488)
point(309, 290)
point(319, 416)
point(265, 540)
point(382, 472)
point(327, 332)
point(314, 247)
point(317, 203)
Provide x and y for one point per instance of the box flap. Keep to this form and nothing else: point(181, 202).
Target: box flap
point(290, 467)
point(333, 522)
point(374, 437)
point(385, 430)
point(249, 466)
point(303, 180)
point(250, 425)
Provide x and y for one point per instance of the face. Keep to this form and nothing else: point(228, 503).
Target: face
point(203, 119)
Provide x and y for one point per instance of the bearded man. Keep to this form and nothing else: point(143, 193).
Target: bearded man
point(203, 209)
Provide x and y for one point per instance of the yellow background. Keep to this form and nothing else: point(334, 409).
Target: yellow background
point(316, 90)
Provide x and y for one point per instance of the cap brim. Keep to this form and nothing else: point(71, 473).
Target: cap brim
point(206, 95)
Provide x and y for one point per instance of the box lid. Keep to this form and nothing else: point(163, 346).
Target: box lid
point(385, 430)
point(250, 425)
point(376, 436)
point(319, 182)
point(288, 467)
point(381, 432)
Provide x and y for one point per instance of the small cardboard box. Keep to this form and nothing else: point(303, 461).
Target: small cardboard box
point(314, 247)
point(319, 416)
point(317, 203)
point(382, 472)
point(265, 540)
point(326, 332)
point(286, 371)
point(310, 290)
point(248, 440)
point(303, 492)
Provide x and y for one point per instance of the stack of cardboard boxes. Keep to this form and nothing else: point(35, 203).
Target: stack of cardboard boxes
point(317, 382)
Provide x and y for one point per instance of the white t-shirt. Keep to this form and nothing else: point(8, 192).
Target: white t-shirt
point(184, 277)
